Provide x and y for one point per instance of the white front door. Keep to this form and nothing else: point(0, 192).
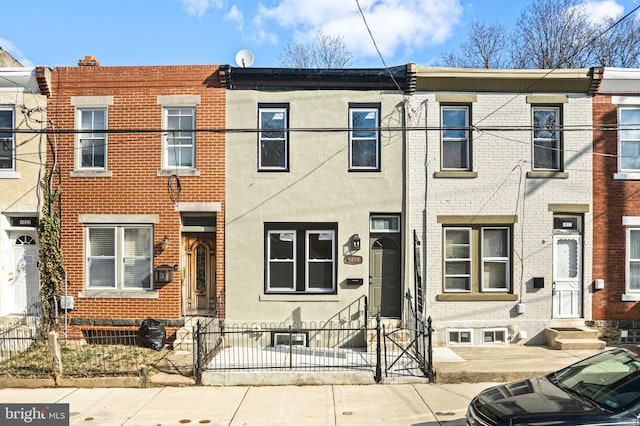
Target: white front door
point(567, 276)
point(23, 280)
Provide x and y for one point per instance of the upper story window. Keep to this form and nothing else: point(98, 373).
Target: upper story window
point(179, 140)
point(364, 137)
point(7, 140)
point(273, 138)
point(455, 138)
point(546, 138)
point(629, 139)
point(92, 138)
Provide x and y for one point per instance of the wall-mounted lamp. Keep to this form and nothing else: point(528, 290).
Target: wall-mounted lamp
point(354, 242)
point(164, 243)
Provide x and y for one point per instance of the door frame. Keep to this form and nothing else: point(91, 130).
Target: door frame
point(394, 232)
point(557, 293)
point(210, 294)
point(29, 293)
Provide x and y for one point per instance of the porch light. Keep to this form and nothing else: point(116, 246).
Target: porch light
point(354, 242)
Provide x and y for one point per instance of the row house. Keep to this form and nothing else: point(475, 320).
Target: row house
point(23, 120)
point(314, 211)
point(140, 162)
point(616, 205)
point(499, 194)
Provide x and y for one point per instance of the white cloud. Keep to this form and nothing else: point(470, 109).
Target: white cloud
point(234, 14)
point(10, 47)
point(396, 25)
point(199, 7)
point(599, 10)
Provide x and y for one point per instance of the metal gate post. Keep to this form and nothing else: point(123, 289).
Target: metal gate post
point(198, 347)
point(378, 376)
point(430, 373)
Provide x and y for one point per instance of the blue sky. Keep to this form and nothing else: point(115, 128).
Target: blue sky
point(168, 32)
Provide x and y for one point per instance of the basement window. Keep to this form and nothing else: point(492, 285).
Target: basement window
point(289, 339)
point(494, 336)
point(456, 336)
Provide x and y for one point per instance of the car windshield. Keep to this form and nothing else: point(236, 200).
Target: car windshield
point(610, 379)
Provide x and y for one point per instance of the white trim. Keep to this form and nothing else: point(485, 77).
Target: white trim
point(494, 330)
point(626, 176)
point(625, 100)
point(9, 174)
point(459, 330)
point(630, 220)
point(119, 218)
point(178, 100)
point(92, 101)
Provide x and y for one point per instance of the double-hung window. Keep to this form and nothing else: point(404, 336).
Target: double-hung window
point(300, 258)
point(364, 137)
point(629, 138)
point(633, 261)
point(92, 149)
point(7, 140)
point(119, 257)
point(477, 259)
point(179, 140)
point(546, 138)
point(273, 138)
point(455, 138)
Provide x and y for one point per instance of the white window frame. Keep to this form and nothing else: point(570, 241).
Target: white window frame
point(297, 339)
point(94, 136)
point(466, 139)
point(497, 259)
point(354, 139)
point(629, 261)
point(556, 139)
point(118, 257)
point(292, 261)
point(493, 332)
point(459, 331)
point(309, 261)
point(174, 135)
point(11, 139)
point(469, 276)
point(264, 139)
point(622, 140)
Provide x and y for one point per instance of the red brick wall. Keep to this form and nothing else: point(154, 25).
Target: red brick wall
point(134, 159)
point(612, 199)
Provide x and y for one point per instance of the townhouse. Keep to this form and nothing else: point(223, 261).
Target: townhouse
point(499, 196)
point(140, 163)
point(23, 107)
point(616, 205)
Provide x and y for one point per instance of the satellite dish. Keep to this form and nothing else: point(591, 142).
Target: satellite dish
point(244, 58)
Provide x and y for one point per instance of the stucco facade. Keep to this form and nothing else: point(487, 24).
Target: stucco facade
point(486, 224)
point(317, 188)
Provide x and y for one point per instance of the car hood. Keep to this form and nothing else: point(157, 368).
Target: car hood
point(537, 397)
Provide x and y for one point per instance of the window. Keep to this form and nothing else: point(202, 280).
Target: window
point(92, 149)
point(119, 257)
point(629, 139)
point(7, 141)
point(455, 138)
point(489, 248)
point(459, 336)
point(285, 338)
point(180, 138)
point(494, 335)
point(633, 260)
point(364, 137)
point(273, 139)
point(301, 258)
point(546, 138)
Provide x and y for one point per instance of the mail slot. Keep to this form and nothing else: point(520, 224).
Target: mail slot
point(355, 281)
point(163, 274)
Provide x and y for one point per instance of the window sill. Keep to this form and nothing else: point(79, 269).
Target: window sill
point(307, 297)
point(626, 176)
point(477, 297)
point(538, 174)
point(178, 172)
point(456, 174)
point(91, 173)
point(631, 297)
point(9, 174)
point(118, 294)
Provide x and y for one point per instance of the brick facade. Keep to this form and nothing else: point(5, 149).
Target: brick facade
point(135, 184)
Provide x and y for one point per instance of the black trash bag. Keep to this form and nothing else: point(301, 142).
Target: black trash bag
point(152, 334)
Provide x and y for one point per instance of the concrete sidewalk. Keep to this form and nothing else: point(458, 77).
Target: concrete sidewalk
point(403, 404)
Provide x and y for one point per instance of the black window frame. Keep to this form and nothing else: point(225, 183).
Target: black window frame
point(275, 106)
point(353, 106)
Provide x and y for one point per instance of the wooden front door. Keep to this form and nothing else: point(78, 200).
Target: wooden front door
point(199, 274)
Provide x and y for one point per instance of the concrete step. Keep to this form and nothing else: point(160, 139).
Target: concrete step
point(183, 345)
point(568, 338)
point(578, 344)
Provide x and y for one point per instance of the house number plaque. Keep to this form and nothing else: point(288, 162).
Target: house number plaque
point(352, 260)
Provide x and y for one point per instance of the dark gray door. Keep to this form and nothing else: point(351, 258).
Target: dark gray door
point(385, 290)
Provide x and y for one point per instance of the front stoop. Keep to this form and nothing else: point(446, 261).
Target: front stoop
point(572, 338)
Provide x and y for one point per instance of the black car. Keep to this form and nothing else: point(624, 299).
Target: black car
point(603, 389)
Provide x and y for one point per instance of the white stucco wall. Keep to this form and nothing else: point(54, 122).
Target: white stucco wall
point(317, 188)
point(501, 160)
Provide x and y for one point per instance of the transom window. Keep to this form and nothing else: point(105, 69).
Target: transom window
point(455, 138)
point(273, 138)
point(92, 140)
point(364, 137)
point(7, 141)
point(487, 247)
point(119, 257)
point(546, 138)
point(179, 139)
point(301, 258)
point(629, 139)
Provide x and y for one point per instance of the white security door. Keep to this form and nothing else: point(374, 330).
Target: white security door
point(567, 276)
point(24, 278)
